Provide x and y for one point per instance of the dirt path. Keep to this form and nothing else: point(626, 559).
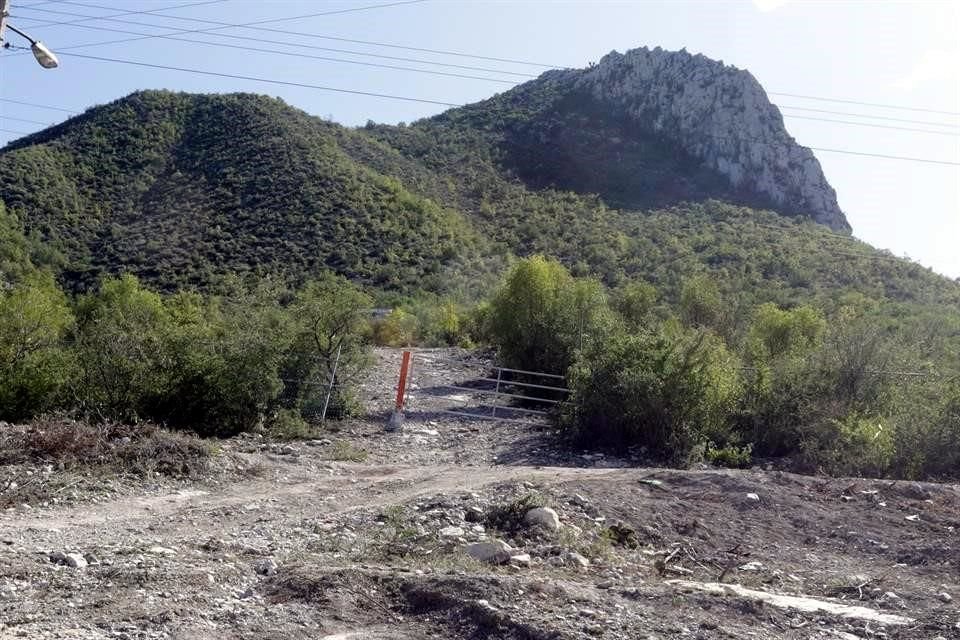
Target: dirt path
point(312, 546)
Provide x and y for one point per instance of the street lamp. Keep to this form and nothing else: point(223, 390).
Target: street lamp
point(44, 56)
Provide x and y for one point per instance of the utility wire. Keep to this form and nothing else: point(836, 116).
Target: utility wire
point(290, 54)
point(253, 26)
point(87, 18)
point(39, 106)
point(14, 131)
point(45, 124)
point(870, 124)
point(266, 80)
point(888, 157)
point(864, 104)
point(245, 39)
point(864, 115)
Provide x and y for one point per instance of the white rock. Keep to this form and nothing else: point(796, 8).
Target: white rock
point(753, 497)
point(576, 560)
point(521, 559)
point(75, 560)
point(543, 517)
point(492, 551)
point(162, 551)
point(452, 532)
point(945, 597)
point(751, 566)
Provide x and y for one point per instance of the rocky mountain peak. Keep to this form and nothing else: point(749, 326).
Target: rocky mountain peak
point(720, 114)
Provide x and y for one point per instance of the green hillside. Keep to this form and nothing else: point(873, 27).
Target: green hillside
point(181, 189)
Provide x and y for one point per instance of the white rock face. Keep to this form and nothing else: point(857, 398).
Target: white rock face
point(717, 113)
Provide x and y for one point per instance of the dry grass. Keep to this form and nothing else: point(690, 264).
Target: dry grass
point(66, 444)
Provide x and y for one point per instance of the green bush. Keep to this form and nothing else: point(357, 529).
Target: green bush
point(730, 455)
point(851, 445)
point(34, 366)
point(667, 390)
point(541, 316)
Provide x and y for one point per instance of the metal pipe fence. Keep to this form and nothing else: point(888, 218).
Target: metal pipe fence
point(504, 394)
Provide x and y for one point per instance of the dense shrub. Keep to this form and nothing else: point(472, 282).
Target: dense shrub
point(541, 316)
point(34, 365)
point(667, 390)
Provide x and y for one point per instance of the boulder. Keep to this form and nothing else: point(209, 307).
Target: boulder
point(544, 517)
point(492, 551)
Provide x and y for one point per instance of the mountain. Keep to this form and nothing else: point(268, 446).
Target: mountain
point(650, 164)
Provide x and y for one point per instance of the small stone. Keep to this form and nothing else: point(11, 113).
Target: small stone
point(945, 597)
point(751, 566)
point(913, 518)
point(522, 559)
point(493, 551)
point(577, 560)
point(753, 497)
point(452, 532)
point(267, 567)
point(75, 560)
point(543, 517)
point(162, 551)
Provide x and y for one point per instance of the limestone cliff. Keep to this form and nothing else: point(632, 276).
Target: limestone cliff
point(719, 114)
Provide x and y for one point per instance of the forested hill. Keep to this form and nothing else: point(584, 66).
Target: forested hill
point(183, 189)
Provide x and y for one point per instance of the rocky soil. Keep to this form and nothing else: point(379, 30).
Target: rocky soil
point(461, 528)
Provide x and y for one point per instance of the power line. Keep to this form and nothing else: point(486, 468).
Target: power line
point(881, 155)
point(45, 124)
point(864, 104)
point(14, 131)
point(39, 106)
point(864, 115)
point(266, 80)
point(253, 26)
point(286, 53)
point(245, 39)
point(122, 13)
point(870, 124)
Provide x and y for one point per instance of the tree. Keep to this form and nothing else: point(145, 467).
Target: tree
point(541, 316)
point(34, 366)
point(329, 333)
point(700, 304)
point(122, 348)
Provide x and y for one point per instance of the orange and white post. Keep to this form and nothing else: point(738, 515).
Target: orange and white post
point(395, 423)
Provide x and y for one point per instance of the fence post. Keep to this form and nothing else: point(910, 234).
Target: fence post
point(333, 378)
point(395, 423)
point(496, 394)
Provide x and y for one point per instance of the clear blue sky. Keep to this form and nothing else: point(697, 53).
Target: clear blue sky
point(878, 52)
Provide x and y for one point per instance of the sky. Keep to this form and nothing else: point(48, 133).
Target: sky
point(903, 54)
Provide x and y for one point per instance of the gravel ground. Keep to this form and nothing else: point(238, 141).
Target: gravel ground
point(360, 534)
